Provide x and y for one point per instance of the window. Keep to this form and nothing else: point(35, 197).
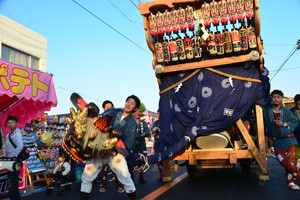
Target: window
point(19, 58)
point(34, 62)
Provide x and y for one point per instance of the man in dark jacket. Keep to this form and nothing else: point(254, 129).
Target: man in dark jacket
point(122, 119)
point(280, 124)
point(14, 145)
point(296, 111)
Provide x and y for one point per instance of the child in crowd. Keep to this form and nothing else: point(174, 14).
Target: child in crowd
point(63, 167)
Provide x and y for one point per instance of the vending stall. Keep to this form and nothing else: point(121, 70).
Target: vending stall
point(24, 93)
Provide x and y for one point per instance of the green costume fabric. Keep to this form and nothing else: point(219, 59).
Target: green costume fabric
point(139, 141)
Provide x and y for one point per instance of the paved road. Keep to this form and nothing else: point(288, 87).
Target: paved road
point(213, 184)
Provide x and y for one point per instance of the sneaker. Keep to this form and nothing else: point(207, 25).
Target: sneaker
point(166, 178)
point(245, 146)
point(293, 186)
point(102, 190)
point(120, 190)
point(112, 178)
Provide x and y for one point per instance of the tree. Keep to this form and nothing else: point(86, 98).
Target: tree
point(143, 107)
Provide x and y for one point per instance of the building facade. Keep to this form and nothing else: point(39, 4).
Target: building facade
point(21, 46)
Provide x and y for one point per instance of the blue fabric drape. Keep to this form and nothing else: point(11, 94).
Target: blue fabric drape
point(206, 103)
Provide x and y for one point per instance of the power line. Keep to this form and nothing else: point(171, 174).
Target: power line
point(131, 21)
point(71, 91)
point(266, 44)
point(134, 4)
point(289, 56)
point(111, 27)
point(285, 69)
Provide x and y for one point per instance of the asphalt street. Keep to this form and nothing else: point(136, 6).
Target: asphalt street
point(212, 184)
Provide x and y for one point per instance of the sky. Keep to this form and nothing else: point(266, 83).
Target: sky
point(87, 57)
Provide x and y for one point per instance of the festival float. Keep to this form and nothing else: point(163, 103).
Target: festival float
point(207, 58)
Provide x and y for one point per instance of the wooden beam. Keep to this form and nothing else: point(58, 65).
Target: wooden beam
point(210, 154)
point(145, 8)
point(260, 130)
point(192, 159)
point(232, 158)
point(206, 63)
point(261, 160)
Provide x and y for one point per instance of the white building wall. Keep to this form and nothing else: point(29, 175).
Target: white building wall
point(23, 39)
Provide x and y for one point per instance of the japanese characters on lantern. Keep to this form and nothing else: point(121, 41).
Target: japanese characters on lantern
point(203, 30)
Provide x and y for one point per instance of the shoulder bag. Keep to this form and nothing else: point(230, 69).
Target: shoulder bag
point(24, 154)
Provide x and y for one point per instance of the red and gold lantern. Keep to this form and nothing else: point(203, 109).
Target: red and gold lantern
point(240, 9)
point(206, 14)
point(182, 19)
point(160, 23)
point(167, 22)
point(249, 8)
point(189, 11)
point(174, 21)
point(153, 25)
point(232, 10)
point(223, 10)
point(214, 10)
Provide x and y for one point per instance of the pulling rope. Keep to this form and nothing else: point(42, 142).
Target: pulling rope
point(235, 77)
point(179, 82)
point(212, 70)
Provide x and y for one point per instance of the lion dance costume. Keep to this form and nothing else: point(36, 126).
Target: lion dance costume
point(89, 138)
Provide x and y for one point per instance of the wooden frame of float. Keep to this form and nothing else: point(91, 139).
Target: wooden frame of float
point(259, 152)
point(148, 7)
point(217, 158)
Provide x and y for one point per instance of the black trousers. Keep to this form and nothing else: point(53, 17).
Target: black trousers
point(13, 180)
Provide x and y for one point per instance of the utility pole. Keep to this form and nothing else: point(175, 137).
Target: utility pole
point(298, 44)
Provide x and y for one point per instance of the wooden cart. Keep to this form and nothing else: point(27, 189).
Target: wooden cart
point(215, 158)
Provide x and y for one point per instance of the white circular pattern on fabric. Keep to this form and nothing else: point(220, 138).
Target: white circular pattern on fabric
point(248, 84)
point(181, 74)
point(206, 92)
point(187, 138)
point(200, 76)
point(159, 157)
point(176, 108)
point(171, 104)
point(225, 83)
point(192, 102)
point(171, 127)
point(194, 130)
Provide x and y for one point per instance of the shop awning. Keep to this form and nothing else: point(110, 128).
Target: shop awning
point(24, 93)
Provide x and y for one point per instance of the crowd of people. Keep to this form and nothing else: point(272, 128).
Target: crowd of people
point(282, 127)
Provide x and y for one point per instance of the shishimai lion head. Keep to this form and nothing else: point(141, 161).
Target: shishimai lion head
point(88, 134)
